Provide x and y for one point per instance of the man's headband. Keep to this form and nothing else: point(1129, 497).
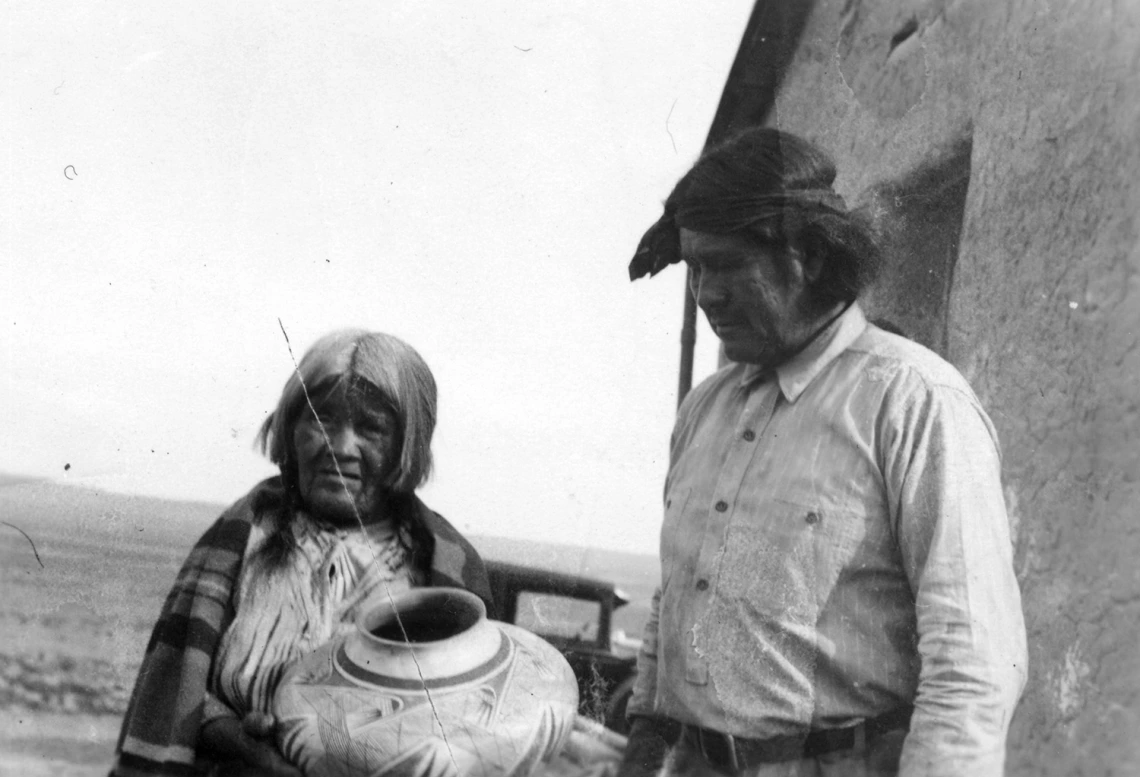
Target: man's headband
point(661, 244)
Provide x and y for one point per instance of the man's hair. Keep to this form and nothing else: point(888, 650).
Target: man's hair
point(775, 188)
point(388, 366)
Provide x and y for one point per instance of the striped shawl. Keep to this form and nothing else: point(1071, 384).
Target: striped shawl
point(160, 730)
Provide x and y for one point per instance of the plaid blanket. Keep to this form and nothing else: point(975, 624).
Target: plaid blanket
point(160, 730)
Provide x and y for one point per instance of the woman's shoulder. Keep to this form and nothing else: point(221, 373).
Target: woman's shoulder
point(263, 504)
point(232, 528)
point(454, 560)
point(439, 526)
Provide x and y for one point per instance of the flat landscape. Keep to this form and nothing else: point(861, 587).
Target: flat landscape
point(81, 592)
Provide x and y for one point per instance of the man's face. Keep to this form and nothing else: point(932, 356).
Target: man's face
point(345, 452)
point(754, 298)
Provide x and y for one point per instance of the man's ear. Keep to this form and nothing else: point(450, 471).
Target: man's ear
point(813, 266)
point(803, 267)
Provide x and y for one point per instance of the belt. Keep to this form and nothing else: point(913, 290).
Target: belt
point(732, 754)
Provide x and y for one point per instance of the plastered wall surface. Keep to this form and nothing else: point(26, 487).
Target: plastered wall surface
point(1042, 310)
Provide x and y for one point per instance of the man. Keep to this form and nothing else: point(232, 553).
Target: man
point(837, 593)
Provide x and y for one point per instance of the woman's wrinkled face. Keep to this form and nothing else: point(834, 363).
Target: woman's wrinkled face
point(346, 453)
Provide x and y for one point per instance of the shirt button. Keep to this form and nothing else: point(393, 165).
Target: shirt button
point(812, 517)
point(721, 506)
point(749, 435)
point(702, 585)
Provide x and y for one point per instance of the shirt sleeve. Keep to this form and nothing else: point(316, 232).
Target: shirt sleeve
point(644, 698)
point(943, 476)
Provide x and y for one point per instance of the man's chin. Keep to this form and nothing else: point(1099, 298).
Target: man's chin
point(742, 353)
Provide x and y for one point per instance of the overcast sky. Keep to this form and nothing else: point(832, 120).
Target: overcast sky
point(472, 177)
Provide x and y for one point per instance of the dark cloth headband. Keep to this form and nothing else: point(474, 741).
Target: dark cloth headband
point(660, 246)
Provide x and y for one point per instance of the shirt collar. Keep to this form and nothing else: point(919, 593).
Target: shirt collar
point(796, 374)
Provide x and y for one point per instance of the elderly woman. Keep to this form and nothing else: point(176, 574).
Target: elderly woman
point(291, 565)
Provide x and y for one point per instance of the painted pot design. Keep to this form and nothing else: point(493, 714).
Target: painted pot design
point(427, 686)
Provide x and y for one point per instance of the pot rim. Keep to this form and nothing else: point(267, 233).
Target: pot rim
point(374, 617)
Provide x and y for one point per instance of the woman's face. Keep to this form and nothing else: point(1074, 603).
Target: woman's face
point(346, 452)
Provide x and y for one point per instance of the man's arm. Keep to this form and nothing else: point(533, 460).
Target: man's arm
point(649, 736)
point(943, 476)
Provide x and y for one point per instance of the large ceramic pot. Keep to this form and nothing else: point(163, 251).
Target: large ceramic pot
point(427, 686)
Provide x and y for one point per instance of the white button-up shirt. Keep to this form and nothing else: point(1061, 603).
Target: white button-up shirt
point(836, 545)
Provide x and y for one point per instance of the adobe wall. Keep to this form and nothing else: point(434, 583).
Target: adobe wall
point(1037, 104)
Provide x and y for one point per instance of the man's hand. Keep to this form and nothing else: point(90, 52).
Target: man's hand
point(649, 739)
point(246, 748)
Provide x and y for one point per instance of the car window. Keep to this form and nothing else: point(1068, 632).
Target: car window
point(559, 616)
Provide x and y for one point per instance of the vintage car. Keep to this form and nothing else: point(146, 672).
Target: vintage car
point(575, 614)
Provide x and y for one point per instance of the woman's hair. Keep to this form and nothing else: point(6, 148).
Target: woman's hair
point(386, 365)
point(775, 188)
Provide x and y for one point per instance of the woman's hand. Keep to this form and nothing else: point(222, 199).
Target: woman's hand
point(245, 748)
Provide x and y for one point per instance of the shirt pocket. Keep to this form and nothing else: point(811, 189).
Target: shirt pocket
point(673, 541)
point(783, 560)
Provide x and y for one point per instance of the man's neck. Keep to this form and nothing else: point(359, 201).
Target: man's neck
point(811, 329)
